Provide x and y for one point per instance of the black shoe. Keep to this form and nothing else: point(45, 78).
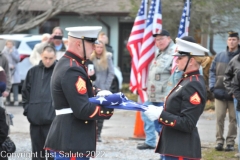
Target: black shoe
point(219, 147)
point(229, 148)
point(140, 144)
point(144, 146)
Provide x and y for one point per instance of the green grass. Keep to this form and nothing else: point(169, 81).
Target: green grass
point(211, 154)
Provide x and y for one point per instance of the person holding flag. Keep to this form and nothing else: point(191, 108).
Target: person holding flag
point(183, 106)
point(159, 73)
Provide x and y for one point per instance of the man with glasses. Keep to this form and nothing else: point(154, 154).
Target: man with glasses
point(159, 73)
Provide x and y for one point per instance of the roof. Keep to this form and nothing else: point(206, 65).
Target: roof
point(94, 6)
point(20, 36)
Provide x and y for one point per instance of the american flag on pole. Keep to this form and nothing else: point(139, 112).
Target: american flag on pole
point(183, 26)
point(154, 23)
point(185, 20)
point(135, 42)
point(157, 21)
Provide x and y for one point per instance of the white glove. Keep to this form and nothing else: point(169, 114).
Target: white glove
point(153, 112)
point(103, 93)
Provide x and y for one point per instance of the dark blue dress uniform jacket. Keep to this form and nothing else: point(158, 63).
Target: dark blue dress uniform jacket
point(71, 88)
point(183, 107)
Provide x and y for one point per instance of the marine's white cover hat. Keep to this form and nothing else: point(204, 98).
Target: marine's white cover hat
point(89, 33)
point(189, 48)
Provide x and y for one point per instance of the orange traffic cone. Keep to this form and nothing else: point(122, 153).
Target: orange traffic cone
point(139, 127)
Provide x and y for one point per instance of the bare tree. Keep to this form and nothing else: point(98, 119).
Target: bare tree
point(209, 17)
point(20, 15)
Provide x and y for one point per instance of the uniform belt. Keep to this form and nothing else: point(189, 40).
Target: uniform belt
point(63, 111)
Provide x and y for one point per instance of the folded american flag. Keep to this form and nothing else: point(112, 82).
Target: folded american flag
point(117, 101)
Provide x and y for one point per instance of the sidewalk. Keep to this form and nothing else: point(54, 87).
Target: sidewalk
point(117, 133)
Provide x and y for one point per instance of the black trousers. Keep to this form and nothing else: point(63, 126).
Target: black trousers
point(38, 135)
point(99, 126)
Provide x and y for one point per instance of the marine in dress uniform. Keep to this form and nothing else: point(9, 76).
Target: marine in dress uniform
point(73, 131)
point(183, 106)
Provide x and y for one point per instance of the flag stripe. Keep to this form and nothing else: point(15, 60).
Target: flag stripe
point(135, 42)
point(154, 23)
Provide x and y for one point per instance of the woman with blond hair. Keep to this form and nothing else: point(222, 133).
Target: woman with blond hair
point(183, 106)
point(104, 71)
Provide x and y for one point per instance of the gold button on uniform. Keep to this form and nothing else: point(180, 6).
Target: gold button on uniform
point(171, 123)
point(101, 111)
point(86, 122)
point(107, 112)
point(73, 59)
point(160, 119)
point(166, 121)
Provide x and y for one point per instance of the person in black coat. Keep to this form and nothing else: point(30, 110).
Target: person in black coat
point(3, 132)
point(3, 123)
point(37, 101)
point(179, 138)
point(73, 130)
point(232, 84)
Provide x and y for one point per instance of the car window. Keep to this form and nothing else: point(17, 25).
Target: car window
point(31, 44)
point(17, 43)
point(2, 44)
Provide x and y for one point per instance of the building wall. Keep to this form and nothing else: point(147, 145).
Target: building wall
point(220, 43)
point(73, 21)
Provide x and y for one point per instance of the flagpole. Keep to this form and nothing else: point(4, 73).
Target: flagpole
point(134, 47)
point(187, 18)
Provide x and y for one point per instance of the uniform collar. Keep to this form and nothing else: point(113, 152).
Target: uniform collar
point(189, 74)
point(74, 56)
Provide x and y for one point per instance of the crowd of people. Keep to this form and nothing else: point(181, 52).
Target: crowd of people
point(70, 71)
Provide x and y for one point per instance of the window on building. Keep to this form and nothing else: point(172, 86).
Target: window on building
point(48, 26)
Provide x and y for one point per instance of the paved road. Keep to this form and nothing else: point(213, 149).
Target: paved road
point(122, 124)
point(116, 135)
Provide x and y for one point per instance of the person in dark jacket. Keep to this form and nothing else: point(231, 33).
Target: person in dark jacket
point(179, 138)
point(232, 84)
point(223, 100)
point(73, 131)
point(3, 124)
point(37, 100)
point(3, 133)
point(236, 94)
